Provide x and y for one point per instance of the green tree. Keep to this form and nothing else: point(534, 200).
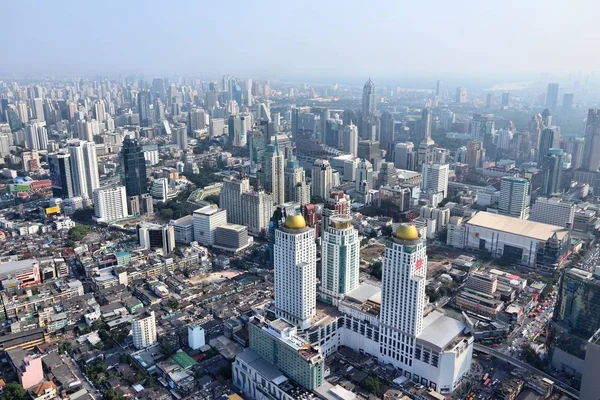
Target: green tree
point(376, 269)
point(213, 198)
point(13, 391)
point(166, 213)
point(371, 385)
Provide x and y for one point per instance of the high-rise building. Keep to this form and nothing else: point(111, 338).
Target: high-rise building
point(231, 198)
point(578, 302)
point(110, 204)
point(143, 329)
point(350, 139)
point(550, 140)
point(438, 90)
point(435, 181)
point(475, 153)
point(60, 175)
point(37, 109)
point(179, 134)
point(133, 166)
point(368, 99)
point(405, 156)
point(567, 103)
point(546, 118)
point(514, 197)
point(156, 236)
point(402, 296)
point(37, 135)
point(273, 175)
point(488, 100)
point(553, 211)
point(296, 188)
point(575, 147)
point(505, 99)
point(552, 96)
point(257, 209)
point(461, 95)
point(144, 101)
point(536, 126)
point(482, 126)
point(84, 168)
point(591, 154)
point(552, 164)
point(322, 178)
point(206, 221)
point(295, 272)
point(340, 258)
point(100, 110)
point(197, 119)
point(364, 177)
point(425, 125)
point(31, 161)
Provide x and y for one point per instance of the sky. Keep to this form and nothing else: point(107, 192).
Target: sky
point(319, 40)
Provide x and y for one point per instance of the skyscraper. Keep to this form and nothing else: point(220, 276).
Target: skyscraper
point(340, 258)
point(591, 154)
point(368, 99)
point(567, 103)
point(514, 197)
point(461, 95)
point(425, 125)
point(295, 272)
point(143, 330)
point(60, 175)
point(505, 99)
point(550, 140)
point(405, 156)
point(272, 175)
point(350, 139)
point(84, 168)
point(295, 176)
point(552, 172)
point(575, 147)
point(552, 96)
point(143, 102)
point(435, 181)
point(110, 204)
point(364, 177)
point(37, 135)
point(133, 165)
point(257, 209)
point(322, 178)
point(230, 198)
point(402, 296)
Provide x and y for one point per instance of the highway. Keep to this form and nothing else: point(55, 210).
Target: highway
point(504, 357)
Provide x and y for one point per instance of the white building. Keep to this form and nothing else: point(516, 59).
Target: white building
point(273, 166)
point(296, 188)
point(160, 189)
point(350, 139)
point(84, 168)
point(156, 236)
point(257, 210)
point(230, 198)
point(553, 211)
point(295, 272)
point(206, 220)
point(196, 338)
point(322, 179)
point(110, 204)
point(514, 197)
point(183, 229)
point(435, 182)
point(144, 330)
point(340, 258)
point(364, 177)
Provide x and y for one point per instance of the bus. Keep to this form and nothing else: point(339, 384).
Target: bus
point(487, 382)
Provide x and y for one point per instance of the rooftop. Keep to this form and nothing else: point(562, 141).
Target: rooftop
point(440, 330)
point(516, 226)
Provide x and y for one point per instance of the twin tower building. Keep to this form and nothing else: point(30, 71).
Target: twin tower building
point(314, 316)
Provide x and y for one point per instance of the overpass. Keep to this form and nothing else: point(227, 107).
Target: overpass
point(520, 364)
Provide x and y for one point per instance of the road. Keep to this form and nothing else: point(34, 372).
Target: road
point(561, 385)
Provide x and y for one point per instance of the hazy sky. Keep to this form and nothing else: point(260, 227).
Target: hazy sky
point(301, 39)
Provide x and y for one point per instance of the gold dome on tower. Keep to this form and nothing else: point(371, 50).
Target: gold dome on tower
point(295, 222)
point(407, 232)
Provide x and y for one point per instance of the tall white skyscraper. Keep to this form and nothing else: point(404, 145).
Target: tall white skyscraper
point(84, 168)
point(295, 272)
point(110, 203)
point(231, 198)
point(368, 99)
point(350, 139)
point(340, 258)
point(36, 135)
point(435, 181)
point(272, 176)
point(100, 111)
point(514, 197)
point(402, 296)
point(322, 179)
point(37, 108)
point(143, 330)
point(364, 177)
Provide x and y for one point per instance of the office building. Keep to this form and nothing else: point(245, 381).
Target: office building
point(183, 229)
point(350, 139)
point(110, 204)
point(257, 209)
point(180, 135)
point(553, 211)
point(578, 302)
point(144, 100)
point(340, 259)
point(482, 127)
point(143, 329)
point(37, 109)
point(435, 182)
point(364, 177)
point(36, 135)
point(133, 166)
point(505, 99)
point(482, 282)
point(405, 156)
point(295, 272)
point(197, 120)
point(552, 96)
point(461, 95)
point(206, 221)
point(231, 237)
point(590, 381)
point(531, 244)
point(272, 176)
point(591, 155)
point(156, 236)
point(84, 168)
point(552, 165)
point(230, 198)
point(575, 147)
point(369, 150)
point(475, 154)
point(368, 99)
point(567, 103)
point(322, 178)
point(514, 197)
point(550, 140)
point(295, 177)
point(60, 175)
